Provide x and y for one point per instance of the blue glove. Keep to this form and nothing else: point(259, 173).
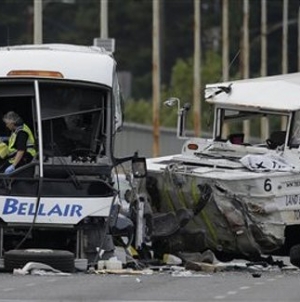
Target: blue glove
point(10, 169)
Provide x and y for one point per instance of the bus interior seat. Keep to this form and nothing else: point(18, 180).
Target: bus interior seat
point(236, 138)
point(276, 139)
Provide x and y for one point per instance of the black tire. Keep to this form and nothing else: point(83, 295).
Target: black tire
point(58, 259)
point(295, 255)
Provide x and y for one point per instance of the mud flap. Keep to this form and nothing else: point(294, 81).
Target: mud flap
point(295, 255)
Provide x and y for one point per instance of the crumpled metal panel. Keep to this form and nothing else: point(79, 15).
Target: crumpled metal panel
point(224, 216)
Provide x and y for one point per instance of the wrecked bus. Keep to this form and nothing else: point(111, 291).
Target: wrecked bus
point(70, 98)
point(233, 194)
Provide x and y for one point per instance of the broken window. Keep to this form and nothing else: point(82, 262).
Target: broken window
point(73, 117)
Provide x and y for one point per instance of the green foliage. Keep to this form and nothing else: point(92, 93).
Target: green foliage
point(130, 23)
point(211, 73)
point(211, 68)
point(141, 112)
point(181, 86)
point(138, 112)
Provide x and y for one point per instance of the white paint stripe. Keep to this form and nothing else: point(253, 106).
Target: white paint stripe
point(8, 289)
point(231, 292)
point(219, 297)
point(244, 287)
point(51, 280)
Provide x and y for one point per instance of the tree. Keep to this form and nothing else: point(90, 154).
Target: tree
point(130, 23)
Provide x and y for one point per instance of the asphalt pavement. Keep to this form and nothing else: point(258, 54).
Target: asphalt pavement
point(269, 284)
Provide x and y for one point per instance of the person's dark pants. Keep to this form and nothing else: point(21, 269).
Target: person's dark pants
point(4, 163)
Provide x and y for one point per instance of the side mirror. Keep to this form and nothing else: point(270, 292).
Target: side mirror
point(139, 167)
point(181, 112)
point(182, 120)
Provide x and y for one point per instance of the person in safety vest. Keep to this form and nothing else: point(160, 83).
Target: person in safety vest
point(20, 144)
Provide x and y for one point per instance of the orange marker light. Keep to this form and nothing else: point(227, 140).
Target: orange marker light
point(192, 146)
point(35, 73)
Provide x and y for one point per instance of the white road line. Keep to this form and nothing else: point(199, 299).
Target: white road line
point(30, 284)
point(219, 297)
point(259, 283)
point(8, 289)
point(244, 287)
point(232, 292)
point(51, 280)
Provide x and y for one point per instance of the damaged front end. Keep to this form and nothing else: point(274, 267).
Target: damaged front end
point(201, 214)
point(235, 193)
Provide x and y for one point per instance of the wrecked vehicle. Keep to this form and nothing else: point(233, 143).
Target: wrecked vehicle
point(233, 194)
point(63, 203)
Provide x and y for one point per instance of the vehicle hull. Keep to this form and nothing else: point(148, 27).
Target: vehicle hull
point(229, 211)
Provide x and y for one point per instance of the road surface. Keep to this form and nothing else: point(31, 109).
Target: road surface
point(274, 285)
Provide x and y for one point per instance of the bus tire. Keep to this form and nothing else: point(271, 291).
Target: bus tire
point(295, 255)
point(58, 259)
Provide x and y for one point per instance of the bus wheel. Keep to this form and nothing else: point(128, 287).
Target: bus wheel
point(57, 259)
point(295, 255)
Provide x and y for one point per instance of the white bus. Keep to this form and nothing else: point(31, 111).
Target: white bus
point(70, 98)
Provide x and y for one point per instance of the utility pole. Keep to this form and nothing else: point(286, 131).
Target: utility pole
point(103, 19)
point(225, 52)
point(299, 39)
point(264, 122)
point(285, 37)
point(197, 63)
point(284, 51)
point(246, 123)
point(225, 40)
point(156, 75)
point(104, 41)
point(263, 66)
point(38, 22)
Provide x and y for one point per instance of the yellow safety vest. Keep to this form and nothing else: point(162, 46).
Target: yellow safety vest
point(29, 144)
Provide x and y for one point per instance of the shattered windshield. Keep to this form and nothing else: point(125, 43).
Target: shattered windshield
point(73, 117)
point(249, 127)
point(295, 133)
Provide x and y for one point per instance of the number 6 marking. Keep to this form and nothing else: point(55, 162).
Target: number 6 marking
point(267, 185)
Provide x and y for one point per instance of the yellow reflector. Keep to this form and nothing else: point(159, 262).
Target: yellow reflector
point(192, 146)
point(35, 73)
point(132, 251)
point(3, 150)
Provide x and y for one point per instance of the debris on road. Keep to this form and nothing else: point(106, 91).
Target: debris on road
point(256, 275)
point(125, 271)
point(36, 268)
point(188, 274)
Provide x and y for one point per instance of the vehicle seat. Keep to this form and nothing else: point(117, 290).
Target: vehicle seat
point(236, 138)
point(276, 139)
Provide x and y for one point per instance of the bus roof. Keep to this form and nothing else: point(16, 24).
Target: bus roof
point(84, 63)
point(281, 92)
